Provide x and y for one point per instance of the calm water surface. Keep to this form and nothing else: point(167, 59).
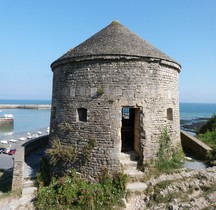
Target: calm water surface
point(191, 111)
point(26, 119)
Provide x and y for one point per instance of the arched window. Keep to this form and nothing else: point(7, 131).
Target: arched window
point(170, 114)
point(82, 114)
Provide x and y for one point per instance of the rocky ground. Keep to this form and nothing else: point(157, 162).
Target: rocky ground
point(181, 190)
point(18, 200)
point(193, 125)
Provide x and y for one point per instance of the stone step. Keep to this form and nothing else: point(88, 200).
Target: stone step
point(136, 187)
point(28, 191)
point(28, 183)
point(129, 165)
point(26, 200)
point(128, 159)
point(134, 175)
point(129, 156)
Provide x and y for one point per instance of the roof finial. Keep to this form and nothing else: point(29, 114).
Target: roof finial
point(115, 22)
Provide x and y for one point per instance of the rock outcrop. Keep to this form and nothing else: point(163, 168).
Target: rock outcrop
point(183, 189)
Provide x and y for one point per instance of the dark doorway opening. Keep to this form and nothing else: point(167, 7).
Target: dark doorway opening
point(127, 129)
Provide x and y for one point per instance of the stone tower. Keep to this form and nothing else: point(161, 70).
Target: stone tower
point(118, 89)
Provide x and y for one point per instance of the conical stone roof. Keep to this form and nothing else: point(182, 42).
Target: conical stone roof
point(115, 39)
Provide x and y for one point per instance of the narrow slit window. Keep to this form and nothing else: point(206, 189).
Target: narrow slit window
point(54, 113)
point(170, 114)
point(82, 114)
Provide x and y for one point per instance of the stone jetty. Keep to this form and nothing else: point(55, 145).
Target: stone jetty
point(25, 106)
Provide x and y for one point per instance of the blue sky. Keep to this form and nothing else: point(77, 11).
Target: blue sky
point(35, 33)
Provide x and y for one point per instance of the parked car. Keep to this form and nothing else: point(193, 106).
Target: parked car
point(12, 152)
point(6, 150)
point(1, 150)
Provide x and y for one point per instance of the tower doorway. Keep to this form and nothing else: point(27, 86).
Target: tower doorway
point(130, 130)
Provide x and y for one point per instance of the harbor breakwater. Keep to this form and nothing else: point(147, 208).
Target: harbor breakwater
point(25, 106)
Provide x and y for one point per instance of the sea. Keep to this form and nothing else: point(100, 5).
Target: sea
point(194, 115)
point(192, 111)
point(26, 120)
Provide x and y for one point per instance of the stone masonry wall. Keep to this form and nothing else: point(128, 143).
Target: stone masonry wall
point(194, 146)
point(18, 169)
point(151, 85)
point(19, 159)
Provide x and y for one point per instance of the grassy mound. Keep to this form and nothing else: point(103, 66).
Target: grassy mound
point(207, 134)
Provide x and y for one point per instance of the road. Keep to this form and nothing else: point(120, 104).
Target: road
point(6, 161)
point(32, 163)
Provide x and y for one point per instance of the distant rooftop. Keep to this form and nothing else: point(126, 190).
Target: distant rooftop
point(115, 39)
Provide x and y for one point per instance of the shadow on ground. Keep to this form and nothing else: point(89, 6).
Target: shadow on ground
point(6, 180)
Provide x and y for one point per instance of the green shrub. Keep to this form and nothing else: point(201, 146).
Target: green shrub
point(208, 138)
point(168, 158)
point(100, 91)
point(207, 134)
point(211, 157)
point(71, 191)
point(87, 150)
point(43, 177)
point(74, 192)
point(59, 153)
point(210, 125)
